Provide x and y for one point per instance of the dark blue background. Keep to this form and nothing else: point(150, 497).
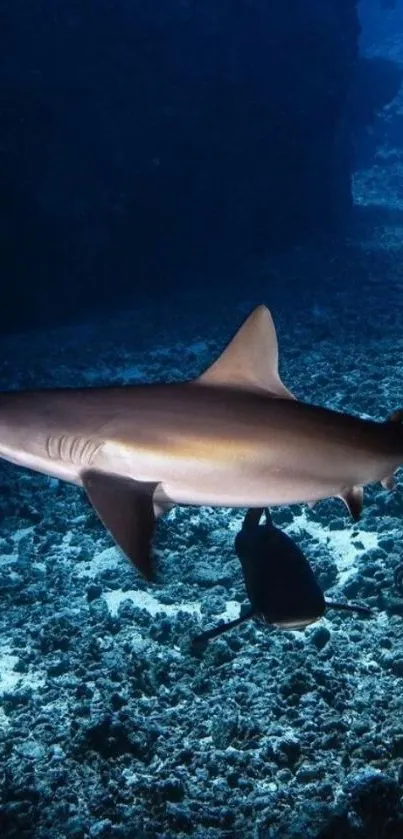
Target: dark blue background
point(146, 145)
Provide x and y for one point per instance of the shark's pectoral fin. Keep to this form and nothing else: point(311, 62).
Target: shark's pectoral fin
point(354, 499)
point(161, 503)
point(126, 509)
point(251, 359)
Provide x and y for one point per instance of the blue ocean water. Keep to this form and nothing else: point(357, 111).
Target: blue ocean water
point(165, 171)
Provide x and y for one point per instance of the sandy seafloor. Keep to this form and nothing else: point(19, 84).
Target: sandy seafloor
point(109, 727)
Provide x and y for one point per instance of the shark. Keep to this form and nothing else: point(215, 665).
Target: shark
point(233, 437)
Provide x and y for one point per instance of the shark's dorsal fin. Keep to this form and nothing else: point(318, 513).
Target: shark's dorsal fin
point(251, 359)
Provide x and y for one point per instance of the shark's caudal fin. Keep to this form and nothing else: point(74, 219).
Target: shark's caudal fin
point(251, 359)
point(126, 509)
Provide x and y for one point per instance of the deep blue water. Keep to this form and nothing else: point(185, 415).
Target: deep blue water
point(164, 170)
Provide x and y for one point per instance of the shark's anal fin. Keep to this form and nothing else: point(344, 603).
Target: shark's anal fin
point(126, 509)
point(354, 499)
point(250, 360)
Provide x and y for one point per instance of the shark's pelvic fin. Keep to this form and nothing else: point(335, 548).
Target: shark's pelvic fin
point(354, 500)
point(389, 481)
point(126, 509)
point(251, 359)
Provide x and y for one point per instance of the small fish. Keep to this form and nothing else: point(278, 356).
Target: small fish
point(279, 580)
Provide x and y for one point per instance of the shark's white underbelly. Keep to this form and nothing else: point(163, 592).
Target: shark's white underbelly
point(201, 476)
point(30, 460)
point(253, 493)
